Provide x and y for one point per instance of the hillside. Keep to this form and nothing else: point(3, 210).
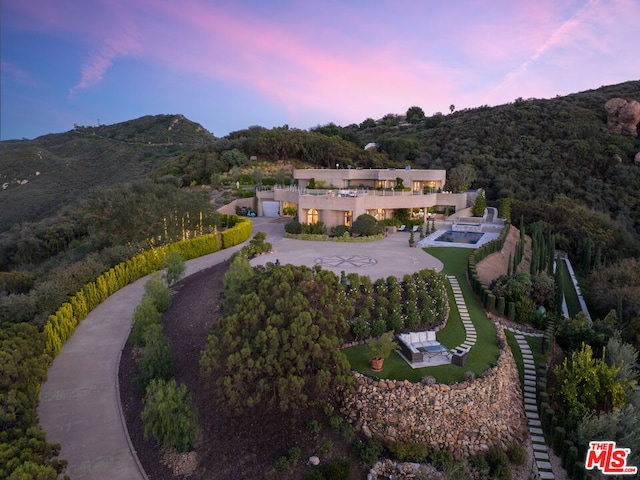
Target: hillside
point(39, 177)
point(529, 150)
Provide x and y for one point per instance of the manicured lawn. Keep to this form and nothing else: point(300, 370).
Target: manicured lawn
point(484, 353)
point(573, 304)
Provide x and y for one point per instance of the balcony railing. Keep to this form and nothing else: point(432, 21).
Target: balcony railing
point(350, 192)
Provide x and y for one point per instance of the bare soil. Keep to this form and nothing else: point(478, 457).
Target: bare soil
point(496, 264)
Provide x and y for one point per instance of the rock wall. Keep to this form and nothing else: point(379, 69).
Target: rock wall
point(466, 418)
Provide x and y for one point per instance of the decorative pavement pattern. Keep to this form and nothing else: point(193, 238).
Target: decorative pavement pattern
point(354, 261)
point(470, 330)
point(540, 452)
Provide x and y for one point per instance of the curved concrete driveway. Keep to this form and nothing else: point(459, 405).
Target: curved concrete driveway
point(80, 402)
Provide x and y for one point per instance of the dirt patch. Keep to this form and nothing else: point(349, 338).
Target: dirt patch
point(496, 264)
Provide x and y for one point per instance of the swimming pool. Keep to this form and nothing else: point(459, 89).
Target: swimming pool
point(451, 236)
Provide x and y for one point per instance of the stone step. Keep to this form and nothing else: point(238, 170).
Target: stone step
point(529, 395)
point(531, 415)
point(534, 423)
point(531, 408)
point(540, 447)
point(529, 383)
point(528, 388)
point(535, 431)
point(537, 439)
point(544, 465)
point(540, 455)
point(546, 475)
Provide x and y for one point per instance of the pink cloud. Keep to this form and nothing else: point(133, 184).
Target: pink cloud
point(298, 68)
point(95, 69)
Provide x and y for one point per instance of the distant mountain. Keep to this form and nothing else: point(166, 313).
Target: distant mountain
point(38, 177)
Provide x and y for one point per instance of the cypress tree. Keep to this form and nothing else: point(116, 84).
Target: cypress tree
point(586, 255)
point(597, 262)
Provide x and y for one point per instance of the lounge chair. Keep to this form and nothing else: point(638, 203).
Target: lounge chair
point(415, 228)
point(401, 228)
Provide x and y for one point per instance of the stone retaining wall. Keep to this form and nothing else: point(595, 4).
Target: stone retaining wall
point(465, 418)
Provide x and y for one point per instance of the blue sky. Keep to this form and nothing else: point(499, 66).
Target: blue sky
point(231, 64)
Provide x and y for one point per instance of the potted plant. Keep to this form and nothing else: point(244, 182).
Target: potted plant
point(379, 348)
point(412, 241)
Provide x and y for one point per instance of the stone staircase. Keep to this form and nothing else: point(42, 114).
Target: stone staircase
point(540, 452)
point(470, 330)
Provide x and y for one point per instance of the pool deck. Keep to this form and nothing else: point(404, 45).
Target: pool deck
point(430, 240)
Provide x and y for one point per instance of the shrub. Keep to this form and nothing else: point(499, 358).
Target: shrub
point(368, 451)
point(157, 290)
point(496, 457)
point(156, 361)
point(339, 230)
point(361, 329)
point(347, 431)
point(335, 422)
point(169, 415)
point(428, 380)
point(174, 267)
point(442, 459)
point(326, 446)
point(336, 470)
point(366, 225)
point(378, 327)
point(516, 454)
point(313, 426)
point(479, 466)
point(410, 452)
point(144, 315)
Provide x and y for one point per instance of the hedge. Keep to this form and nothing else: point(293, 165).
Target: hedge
point(367, 238)
point(314, 237)
point(61, 325)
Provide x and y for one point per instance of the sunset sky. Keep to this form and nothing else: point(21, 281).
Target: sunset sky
point(231, 64)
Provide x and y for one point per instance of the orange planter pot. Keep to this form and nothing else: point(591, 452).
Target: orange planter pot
point(377, 364)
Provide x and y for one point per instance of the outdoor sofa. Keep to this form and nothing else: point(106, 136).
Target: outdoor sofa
point(414, 345)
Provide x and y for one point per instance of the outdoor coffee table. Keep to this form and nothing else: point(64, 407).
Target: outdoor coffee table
point(433, 350)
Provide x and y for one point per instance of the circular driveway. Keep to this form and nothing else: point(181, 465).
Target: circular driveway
point(380, 259)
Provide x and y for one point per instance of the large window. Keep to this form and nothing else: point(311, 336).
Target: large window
point(312, 216)
point(348, 218)
point(378, 213)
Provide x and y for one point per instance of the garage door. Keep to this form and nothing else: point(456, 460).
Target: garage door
point(271, 209)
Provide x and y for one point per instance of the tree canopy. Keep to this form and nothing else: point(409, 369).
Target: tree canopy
point(278, 348)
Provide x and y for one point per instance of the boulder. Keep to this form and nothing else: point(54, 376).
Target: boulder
point(623, 116)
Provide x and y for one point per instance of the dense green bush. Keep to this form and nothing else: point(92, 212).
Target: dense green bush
point(169, 415)
point(366, 225)
point(157, 291)
point(145, 314)
point(410, 452)
point(156, 361)
point(294, 227)
point(368, 451)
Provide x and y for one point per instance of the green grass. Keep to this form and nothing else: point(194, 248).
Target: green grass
point(535, 344)
point(573, 304)
point(484, 353)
